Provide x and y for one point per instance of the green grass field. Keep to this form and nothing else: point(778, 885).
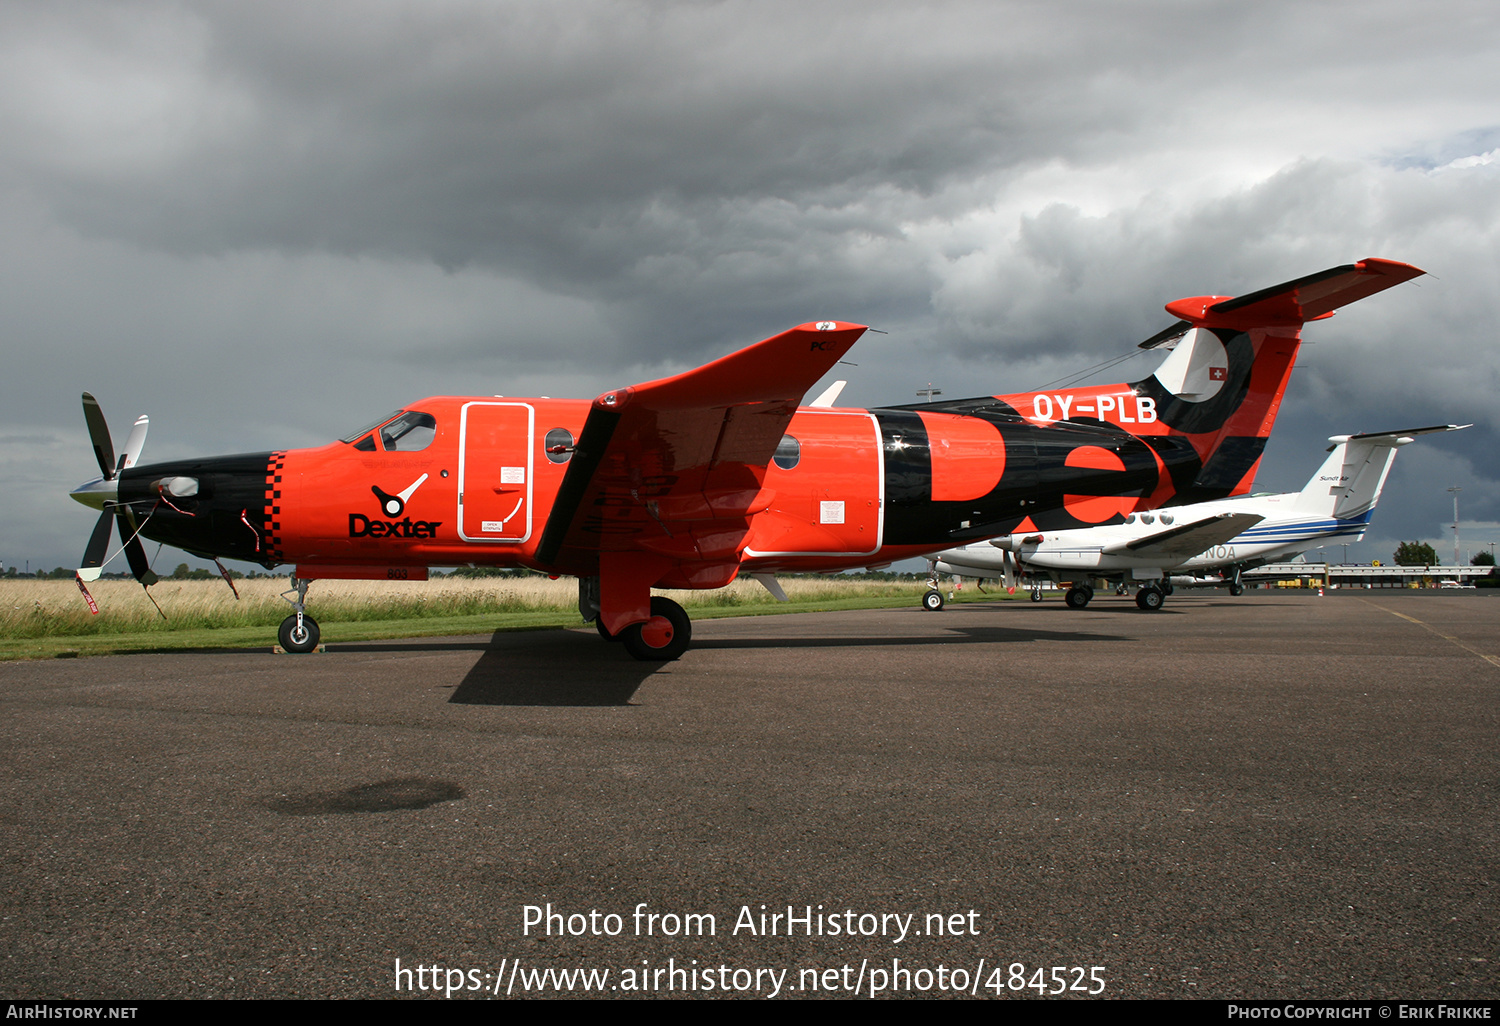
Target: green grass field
point(47, 619)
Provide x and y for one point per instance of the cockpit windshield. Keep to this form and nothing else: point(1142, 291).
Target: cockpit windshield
point(410, 431)
point(351, 439)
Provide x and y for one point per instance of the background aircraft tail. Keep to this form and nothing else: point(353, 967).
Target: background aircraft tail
point(1349, 482)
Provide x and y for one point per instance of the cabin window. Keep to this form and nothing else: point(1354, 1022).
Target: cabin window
point(788, 452)
point(558, 445)
point(1147, 518)
point(1167, 518)
point(410, 432)
point(366, 444)
point(1130, 519)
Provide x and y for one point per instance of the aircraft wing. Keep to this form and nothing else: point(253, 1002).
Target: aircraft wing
point(1187, 540)
point(674, 466)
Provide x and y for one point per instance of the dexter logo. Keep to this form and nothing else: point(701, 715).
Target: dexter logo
point(394, 504)
point(361, 526)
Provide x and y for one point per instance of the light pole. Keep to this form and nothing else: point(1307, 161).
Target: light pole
point(1455, 490)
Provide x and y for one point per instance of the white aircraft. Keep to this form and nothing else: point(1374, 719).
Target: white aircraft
point(1230, 534)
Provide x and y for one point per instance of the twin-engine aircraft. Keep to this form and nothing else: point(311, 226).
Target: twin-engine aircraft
point(1233, 534)
point(692, 480)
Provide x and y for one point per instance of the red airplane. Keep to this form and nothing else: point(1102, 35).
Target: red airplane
point(692, 480)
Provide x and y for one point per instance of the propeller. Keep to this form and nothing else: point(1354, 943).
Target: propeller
point(105, 493)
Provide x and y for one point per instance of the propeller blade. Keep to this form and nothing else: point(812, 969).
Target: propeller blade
point(93, 556)
point(1008, 568)
point(135, 553)
point(134, 444)
point(104, 449)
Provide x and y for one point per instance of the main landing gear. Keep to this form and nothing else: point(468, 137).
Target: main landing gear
point(665, 636)
point(1150, 598)
point(1078, 596)
point(299, 632)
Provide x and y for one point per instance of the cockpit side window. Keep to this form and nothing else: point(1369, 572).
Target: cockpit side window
point(410, 432)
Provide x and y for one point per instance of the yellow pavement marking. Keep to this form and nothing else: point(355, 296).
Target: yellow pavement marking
point(1428, 626)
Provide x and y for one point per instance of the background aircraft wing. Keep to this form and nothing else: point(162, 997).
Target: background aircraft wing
point(675, 466)
point(1188, 540)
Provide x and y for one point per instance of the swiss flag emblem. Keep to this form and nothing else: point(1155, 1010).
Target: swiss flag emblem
point(1218, 373)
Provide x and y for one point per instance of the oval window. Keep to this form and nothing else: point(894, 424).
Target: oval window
point(1167, 519)
point(1147, 518)
point(788, 452)
point(558, 445)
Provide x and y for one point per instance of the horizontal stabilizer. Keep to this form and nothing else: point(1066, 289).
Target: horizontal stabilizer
point(1189, 539)
point(1376, 437)
point(1295, 302)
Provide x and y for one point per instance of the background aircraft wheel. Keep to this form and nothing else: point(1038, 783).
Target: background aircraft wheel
point(1036, 596)
point(932, 601)
point(293, 640)
point(1236, 589)
point(1150, 599)
point(603, 630)
point(1077, 598)
point(652, 642)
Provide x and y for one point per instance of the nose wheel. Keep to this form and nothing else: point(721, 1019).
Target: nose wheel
point(299, 632)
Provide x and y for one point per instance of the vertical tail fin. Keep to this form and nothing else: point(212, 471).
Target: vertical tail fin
point(1349, 482)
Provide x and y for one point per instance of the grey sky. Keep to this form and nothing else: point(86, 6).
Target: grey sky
point(264, 224)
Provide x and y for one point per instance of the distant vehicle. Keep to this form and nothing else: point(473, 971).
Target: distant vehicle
point(1228, 535)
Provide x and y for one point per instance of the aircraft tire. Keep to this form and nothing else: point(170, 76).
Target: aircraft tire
point(1236, 589)
point(299, 642)
point(1150, 599)
point(933, 601)
point(1036, 596)
point(1077, 598)
point(603, 630)
point(682, 633)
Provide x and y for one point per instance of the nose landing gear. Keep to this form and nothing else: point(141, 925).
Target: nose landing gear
point(299, 632)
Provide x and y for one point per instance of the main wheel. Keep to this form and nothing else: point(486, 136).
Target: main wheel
point(1236, 589)
point(1036, 595)
point(1150, 598)
point(603, 630)
point(665, 636)
point(1078, 597)
point(932, 601)
point(299, 641)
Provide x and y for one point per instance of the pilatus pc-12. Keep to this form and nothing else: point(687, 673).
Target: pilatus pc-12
point(692, 480)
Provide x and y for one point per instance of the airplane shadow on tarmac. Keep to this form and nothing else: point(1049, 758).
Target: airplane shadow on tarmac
point(576, 668)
